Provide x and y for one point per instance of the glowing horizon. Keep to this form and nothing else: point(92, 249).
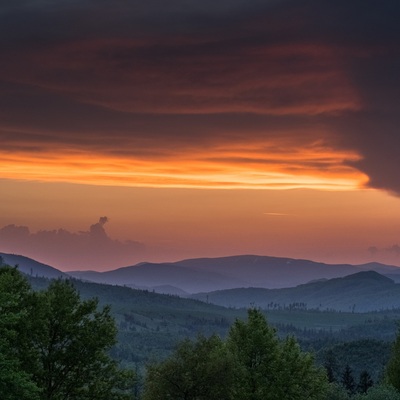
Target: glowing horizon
point(255, 166)
point(200, 129)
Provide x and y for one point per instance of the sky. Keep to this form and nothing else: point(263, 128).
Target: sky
point(160, 130)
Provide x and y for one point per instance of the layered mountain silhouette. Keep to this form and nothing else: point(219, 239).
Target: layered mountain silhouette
point(360, 292)
point(249, 281)
point(210, 274)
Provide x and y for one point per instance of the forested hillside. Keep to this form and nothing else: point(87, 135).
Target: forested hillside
point(150, 326)
point(361, 292)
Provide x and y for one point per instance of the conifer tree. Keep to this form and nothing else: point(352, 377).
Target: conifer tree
point(365, 382)
point(348, 380)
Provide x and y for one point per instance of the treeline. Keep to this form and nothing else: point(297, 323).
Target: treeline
point(56, 346)
point(253, 363)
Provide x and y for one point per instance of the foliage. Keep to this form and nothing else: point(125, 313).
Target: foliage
point(299, 378)
point(15, 383)
point(255, 347)
point(361, 355)
point(381, 392)
point(151, 324)
point(252, 364)
point(200, 370)
point(335, 392)
point(393, 366)
point(54, 345)
point(331, 367)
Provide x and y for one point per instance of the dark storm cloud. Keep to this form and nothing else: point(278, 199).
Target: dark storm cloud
point(143, 78)
point(87, 249)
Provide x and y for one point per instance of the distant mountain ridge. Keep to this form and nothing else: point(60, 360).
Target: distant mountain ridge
point(210, 274)
point(237, 281)
point(32, 267)
point(191, 276)
point(360, 292)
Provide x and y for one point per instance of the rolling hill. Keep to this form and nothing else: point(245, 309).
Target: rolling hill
point(360, 292)
point(31, 267)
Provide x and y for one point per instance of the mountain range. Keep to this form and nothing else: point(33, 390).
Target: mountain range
point(210, 274)
point(245, 281)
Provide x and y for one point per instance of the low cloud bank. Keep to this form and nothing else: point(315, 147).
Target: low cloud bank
point(92, 249)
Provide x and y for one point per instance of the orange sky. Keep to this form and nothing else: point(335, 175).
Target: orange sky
point(266, 128)
point(171, 223)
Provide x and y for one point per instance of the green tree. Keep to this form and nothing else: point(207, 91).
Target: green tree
point(269, 369)
point(15, 383)
point(393, 366)
point(298, 376)
point(72, 339)
point(380, 392)
point(335, 392)
point(53, 346)
point(330, 365)
point(199, 370)
point(255, 348)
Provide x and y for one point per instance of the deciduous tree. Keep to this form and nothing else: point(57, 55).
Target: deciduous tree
point(199, 370)
point(15, 295)
point(57, 345)
point(270, 369)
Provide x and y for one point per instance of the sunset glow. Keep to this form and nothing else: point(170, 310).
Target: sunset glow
point(199, 130)
point(259, 167)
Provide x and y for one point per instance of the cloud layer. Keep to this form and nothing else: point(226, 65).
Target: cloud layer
point(71, 250)
point(267, 94)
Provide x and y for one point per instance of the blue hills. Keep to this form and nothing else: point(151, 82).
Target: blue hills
point(249, 280)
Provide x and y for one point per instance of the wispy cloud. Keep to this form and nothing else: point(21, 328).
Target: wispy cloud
point(276, 214)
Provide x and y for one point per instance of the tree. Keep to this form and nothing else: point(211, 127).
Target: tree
point(335, 392)
point(15, 383)
point(365, 382)
point(348, 380)
point(72, 339)
point(393, 367)
point(200, 370)
point(269, 369)
point(298, 377)
point(54, 345)
point(255, 349)
point(330, 366)
point(380, 392)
